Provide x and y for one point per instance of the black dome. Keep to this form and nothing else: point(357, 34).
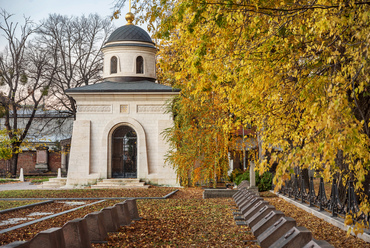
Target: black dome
point(130, 33)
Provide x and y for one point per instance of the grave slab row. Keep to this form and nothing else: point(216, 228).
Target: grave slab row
point(80, 233)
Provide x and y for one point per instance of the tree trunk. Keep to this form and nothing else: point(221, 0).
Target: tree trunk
point(14, 164)
point(367, 184)
point(306, 178)
point(342, 192)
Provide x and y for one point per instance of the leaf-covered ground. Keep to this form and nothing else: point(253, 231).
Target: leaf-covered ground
point(40, 210)
point(87, 193)
point(182, 223)
point(13, 204)
point(187, 220)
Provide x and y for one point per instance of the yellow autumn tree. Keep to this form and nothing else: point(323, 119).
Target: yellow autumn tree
point(297, 70)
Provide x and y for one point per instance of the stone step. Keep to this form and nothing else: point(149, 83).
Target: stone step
point(116, 183)
point(119, 187)
point(121, 180)
point(53, 183)
point(50, 185)
point(59, 180)
point(120, 184)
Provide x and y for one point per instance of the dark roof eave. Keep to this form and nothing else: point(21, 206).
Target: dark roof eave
point(122, 91)
point(127, 44)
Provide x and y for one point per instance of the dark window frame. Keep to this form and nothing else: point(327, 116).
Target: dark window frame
point(139, 65)
point(113, 65)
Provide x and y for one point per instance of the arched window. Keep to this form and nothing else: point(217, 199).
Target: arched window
point(139, 65)
point(113, 65)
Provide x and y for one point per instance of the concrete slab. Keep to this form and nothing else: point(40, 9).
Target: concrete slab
point(76, 234)
point(16, 244)
point(132, 207)
point(254, 209)
point(295, 237)
point(52, 237)
point(266, 222)
point(96, 227)
point(244, 201)
point(259, 215)
point(274, 232)
point(318, 244)
point(123, 214)
point(218, 193)
point(250, 205)
point(111, 219)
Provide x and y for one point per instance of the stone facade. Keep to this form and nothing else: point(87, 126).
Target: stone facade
point(126, 56)
point(92, 131)
point(128, 102)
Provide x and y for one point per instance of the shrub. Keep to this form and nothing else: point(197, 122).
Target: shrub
point(264, 182)
point(241, 177)
point(236, 172)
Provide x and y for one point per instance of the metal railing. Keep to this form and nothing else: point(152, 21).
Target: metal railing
point(295, 188)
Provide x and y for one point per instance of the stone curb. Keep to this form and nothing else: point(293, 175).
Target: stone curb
point(170, 194)
point(45, 218)
point(76, 233)
point(218, 193)
point(74, 209)
point(336, 221)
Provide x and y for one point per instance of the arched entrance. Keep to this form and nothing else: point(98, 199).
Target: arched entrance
point(124, 153)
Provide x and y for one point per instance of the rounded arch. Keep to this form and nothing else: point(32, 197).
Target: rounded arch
point(142, 157)
point(113, 64)
point(139, 65)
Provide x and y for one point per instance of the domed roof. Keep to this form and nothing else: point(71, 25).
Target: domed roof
point(130, 33)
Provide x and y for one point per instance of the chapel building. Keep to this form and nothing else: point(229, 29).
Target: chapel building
point(119, 122)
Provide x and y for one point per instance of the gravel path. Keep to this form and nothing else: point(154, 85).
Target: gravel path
point(17, 186)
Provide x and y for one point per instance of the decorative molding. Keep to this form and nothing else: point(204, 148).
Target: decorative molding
point(94, 109)
point(151, 108)
point(124, 109)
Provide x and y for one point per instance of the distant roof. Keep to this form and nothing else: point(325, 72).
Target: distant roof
point(26, 112)
point(135, 86)
point(130, 33)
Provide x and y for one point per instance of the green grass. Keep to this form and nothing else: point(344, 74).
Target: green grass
point(40, 180)
point(37, 178)
point(13, 204)
point(5, 180)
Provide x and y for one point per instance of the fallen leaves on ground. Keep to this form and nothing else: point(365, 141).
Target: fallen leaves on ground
point(188, 193)
point(13, 204)
point(52, 208)
point(87, 193)
point(182, 223)
point(187, 220)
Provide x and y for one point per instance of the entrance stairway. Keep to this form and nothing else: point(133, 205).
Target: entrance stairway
point(53, 183)
point(120, 183)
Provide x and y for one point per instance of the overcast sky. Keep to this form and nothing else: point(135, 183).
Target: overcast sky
point(38, 10)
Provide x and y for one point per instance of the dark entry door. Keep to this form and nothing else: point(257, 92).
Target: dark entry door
point(124, 153)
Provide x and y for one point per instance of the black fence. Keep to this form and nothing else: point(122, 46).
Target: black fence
point(296, 189)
